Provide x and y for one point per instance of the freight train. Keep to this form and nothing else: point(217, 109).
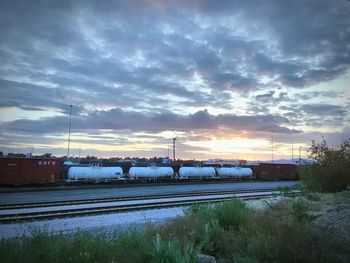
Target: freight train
point(22, 171)
point(152, 172)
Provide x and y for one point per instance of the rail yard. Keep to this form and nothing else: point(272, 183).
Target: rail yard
point(55, 209)
point(51, 191)
point(27, 171)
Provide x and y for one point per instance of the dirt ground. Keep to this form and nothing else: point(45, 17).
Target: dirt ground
point(331, 212)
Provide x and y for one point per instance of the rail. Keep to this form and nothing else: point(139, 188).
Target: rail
point(51, 211)
point(128, 198)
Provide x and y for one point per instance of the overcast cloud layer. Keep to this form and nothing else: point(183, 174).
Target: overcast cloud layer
point(140, 72)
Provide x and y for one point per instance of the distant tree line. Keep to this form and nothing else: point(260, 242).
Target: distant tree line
point(91, 158)
point(22, 155)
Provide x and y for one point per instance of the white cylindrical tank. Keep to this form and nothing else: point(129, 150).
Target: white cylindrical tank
point(234, 172)
point(150, 172)
point(95, 173)
point(196, 172)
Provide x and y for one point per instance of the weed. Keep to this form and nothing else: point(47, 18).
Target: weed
point(210, 238)
point(285, 191)
point(230, 214)
point(313, 197)
point(299, 210)
point(196, 208)
point(170, 252)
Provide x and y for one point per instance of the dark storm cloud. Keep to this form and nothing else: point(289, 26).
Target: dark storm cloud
point(317, 94)
point(27, 95)
point(265, 97)
point(303, 29)
point(117, 119)
point(85, 43)
point(272, 98)
point(317, 115)
point(324, 110)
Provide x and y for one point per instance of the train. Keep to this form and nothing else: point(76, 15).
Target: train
point(153, 172)
point(32, 171)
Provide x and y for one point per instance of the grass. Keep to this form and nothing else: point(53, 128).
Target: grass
point(81, 247)
point(282, 233)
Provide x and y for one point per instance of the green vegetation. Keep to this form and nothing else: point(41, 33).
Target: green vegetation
point(331, 171)
point(171, 251)
point(299, 210)
point(82, 247)
point(230, 231)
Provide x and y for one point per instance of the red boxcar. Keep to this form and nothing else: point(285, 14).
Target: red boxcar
point(17, 171)
point(275, 171)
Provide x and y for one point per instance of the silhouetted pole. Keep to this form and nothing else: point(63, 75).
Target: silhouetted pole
point(272, 145)
point(70, 123)
point(174, 139)
point(299, 154)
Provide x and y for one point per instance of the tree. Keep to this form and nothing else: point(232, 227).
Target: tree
point(331, 171)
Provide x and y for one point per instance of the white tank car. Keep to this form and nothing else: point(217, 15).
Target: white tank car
point(95, 173)
point(150, 172)
point(197, 172)
point(238, 172)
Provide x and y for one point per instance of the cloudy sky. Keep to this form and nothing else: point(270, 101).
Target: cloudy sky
point(223, 77)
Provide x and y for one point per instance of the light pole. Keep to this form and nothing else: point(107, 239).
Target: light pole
point(272, 145)
point(174, 139)
point(70, 122)
point(292, 153)
point(299, 154)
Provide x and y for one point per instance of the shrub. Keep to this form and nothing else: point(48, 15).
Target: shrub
point(210, 239)
point(130, 247)
point(196, 208)
point(331, 171)
point(231, 214)
point(299, 210)
point(171, 252)
point(279, 238)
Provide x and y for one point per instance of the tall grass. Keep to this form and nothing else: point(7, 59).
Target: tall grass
point(81, 247)
point(171, 251)
point(230, 231)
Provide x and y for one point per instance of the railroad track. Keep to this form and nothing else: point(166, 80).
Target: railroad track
point(116, 199)
point(32, 212)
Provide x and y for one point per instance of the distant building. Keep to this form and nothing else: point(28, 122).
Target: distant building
point(225, 162)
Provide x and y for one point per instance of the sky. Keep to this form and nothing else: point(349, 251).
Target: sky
point(228, 79)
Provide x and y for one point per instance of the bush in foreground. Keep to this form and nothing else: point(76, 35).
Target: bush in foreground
point(331, 171)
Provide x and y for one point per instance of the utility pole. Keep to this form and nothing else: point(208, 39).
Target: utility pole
point(174, 139)
point(292, 153)
point(272, 145)
point(69, 128)
point(299, 154)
